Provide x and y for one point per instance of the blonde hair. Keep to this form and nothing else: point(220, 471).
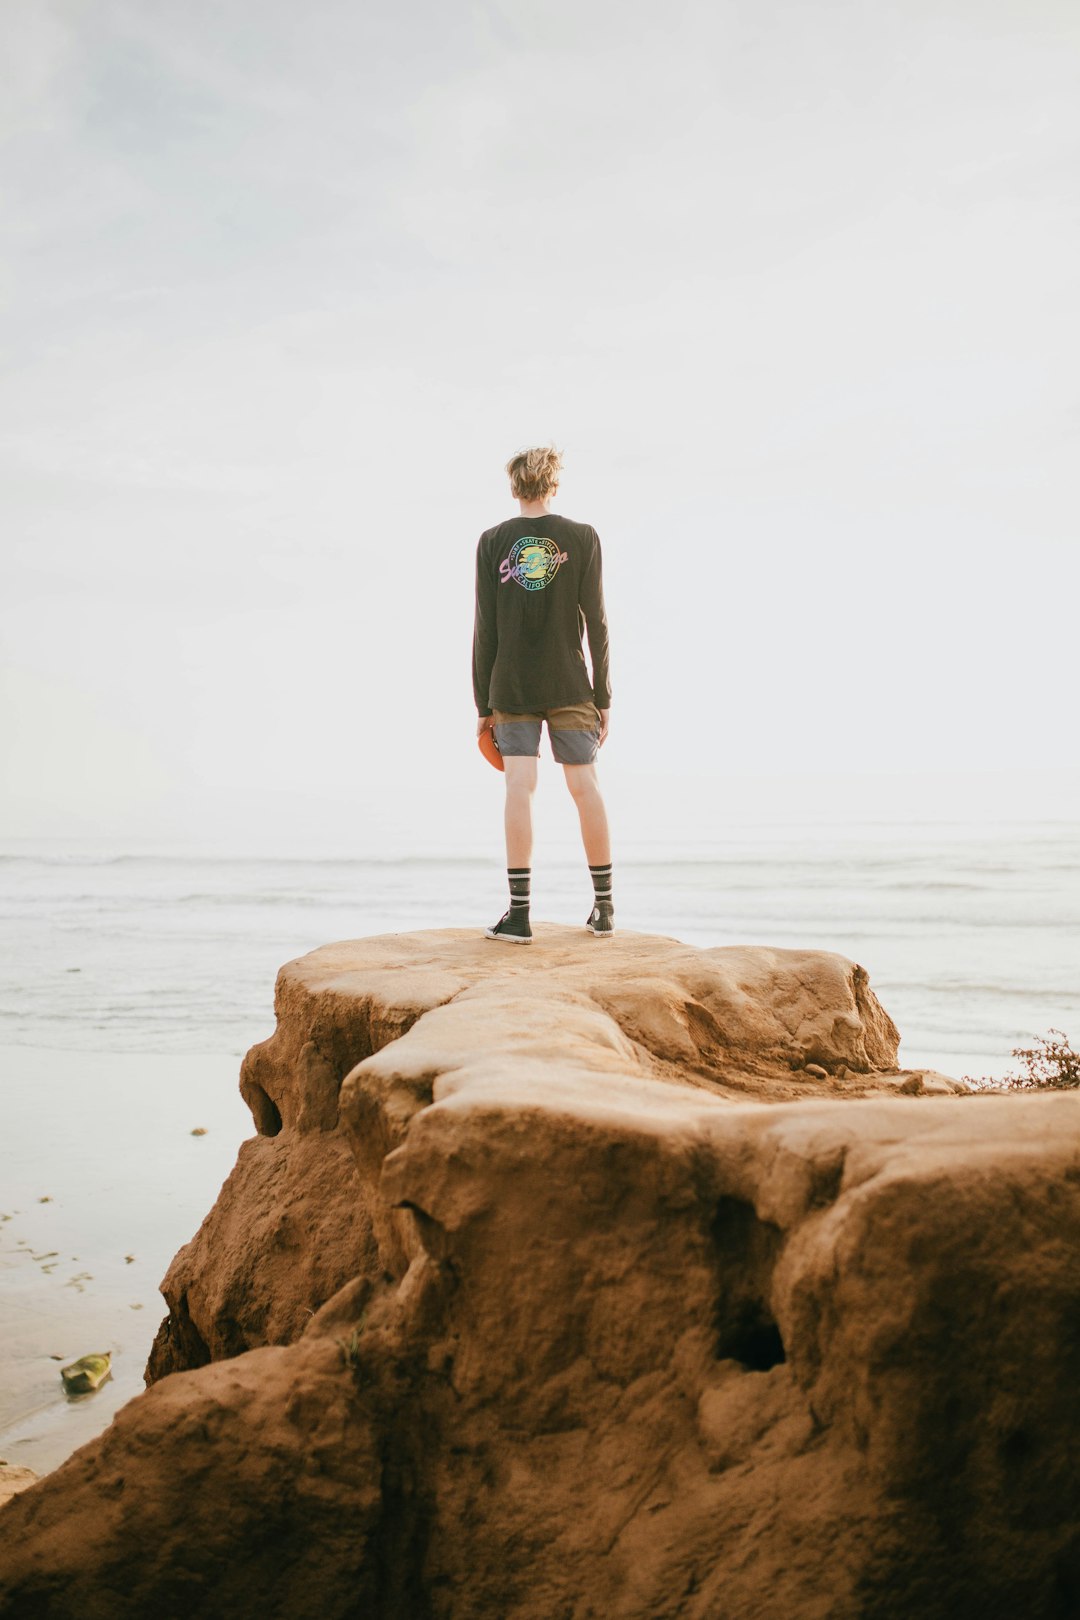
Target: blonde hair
point(534, 474)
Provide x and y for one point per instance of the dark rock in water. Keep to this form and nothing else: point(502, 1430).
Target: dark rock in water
point(86, 1374)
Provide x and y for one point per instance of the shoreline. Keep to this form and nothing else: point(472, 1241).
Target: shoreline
point(97, 1164)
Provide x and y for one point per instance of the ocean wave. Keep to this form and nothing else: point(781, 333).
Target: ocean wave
point(995, 988)
point(174, 859)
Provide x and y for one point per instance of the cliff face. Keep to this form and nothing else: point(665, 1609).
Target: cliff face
point(531, 1301)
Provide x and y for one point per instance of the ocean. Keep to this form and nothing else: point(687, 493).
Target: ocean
point(132, 981)
point(971, 935)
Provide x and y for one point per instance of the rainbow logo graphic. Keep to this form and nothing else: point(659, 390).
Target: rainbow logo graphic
point(533, 562)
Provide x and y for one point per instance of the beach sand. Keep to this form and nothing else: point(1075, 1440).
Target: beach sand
point(97, 1163)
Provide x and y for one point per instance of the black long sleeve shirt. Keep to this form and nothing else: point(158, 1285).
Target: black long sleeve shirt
point(538, 588)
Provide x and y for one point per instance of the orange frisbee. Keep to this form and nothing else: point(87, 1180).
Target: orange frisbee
point(490, 748)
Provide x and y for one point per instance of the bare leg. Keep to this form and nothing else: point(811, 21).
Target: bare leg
point(584, 785)
point(520, 786)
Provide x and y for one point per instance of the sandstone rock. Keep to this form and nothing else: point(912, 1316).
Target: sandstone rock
point(941, 1085)
point(628, 1340)
point(296, 1219)
point(292, 1224)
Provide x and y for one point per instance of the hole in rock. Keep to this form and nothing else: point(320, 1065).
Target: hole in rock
point(756, 1342)
point(746, 1251)
point(264, 1110)
point(1016, 1447)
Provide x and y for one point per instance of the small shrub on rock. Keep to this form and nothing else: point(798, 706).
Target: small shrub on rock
point(1050, 1064)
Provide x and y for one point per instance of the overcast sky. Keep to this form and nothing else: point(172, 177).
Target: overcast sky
point(793, 285)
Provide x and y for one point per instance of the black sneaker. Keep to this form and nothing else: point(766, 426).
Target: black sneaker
point(515, 930)
point(601, 920)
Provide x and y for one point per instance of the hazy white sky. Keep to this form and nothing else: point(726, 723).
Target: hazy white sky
point(794, 285)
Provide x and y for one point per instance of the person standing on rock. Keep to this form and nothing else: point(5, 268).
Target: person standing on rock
point(538, 587)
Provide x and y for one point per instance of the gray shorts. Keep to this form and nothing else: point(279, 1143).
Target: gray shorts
point(574, 731)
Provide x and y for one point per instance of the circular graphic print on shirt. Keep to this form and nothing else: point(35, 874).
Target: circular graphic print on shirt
point(534, 561)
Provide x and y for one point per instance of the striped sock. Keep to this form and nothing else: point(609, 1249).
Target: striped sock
point(520, 880)
point(601, 882)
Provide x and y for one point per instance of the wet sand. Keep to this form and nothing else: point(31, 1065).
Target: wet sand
point(97, 1164)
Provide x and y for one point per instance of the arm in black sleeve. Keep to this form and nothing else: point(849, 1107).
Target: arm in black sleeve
point(592, 605)
point(485, 636)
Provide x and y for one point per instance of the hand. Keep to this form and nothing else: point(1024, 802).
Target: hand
point(605, 725)
point(484, 723)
